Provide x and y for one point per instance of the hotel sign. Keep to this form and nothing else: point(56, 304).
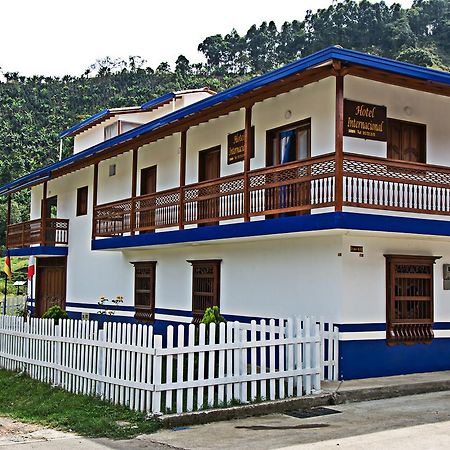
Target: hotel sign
point(236, 146)
point(365, 121)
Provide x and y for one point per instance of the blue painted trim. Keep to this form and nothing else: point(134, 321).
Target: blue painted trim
point(242, 229)
point(313, 222)
point(97, 307)
point(39, 251)
point(361, 327)
point(173, 312)
point(341, 54)
point(393, 224)
point(157, 101)
point(374, 358)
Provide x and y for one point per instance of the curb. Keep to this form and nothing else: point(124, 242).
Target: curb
point(399, 390)
point(307, 402)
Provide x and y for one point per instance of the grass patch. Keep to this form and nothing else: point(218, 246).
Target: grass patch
point(19, 266)
point(31, 401)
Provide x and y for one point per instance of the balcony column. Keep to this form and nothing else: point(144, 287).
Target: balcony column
point(43, 213)
point(248, 143)
point(182, 177)
point(94, 199)
point(339, 143)
point(133, 190)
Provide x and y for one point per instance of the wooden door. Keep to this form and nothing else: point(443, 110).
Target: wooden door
point(209, 169)
point(406, 141)
point(50, 284)
point(147, 212)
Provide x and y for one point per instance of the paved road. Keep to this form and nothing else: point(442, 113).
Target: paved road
point(415, 422)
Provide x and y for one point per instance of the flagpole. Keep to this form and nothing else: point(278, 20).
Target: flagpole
point(31, 299)
point(4, 300)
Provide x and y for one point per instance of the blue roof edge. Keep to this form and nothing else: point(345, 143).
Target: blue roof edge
point(84, 123)
point(157, 101)
point(345, 55)
point(144, 107)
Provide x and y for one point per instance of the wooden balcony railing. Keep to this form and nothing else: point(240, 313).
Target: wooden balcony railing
point(297, 186)
point(48, 232)
point(368, 182)
point(395, 185)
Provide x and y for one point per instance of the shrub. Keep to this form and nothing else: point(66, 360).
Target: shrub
point(55, 312)
point(212, 315)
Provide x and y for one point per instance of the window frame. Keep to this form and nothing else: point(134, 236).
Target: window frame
point(84, 190)
point(197, 311)
point(145, 312)
point(402, 330)
point(275, 132)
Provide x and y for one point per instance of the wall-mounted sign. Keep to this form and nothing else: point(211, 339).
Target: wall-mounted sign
point(236, 146)
point(356, 249)
point(365, 121)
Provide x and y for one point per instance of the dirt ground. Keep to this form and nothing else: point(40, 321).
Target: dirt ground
point(13, 431)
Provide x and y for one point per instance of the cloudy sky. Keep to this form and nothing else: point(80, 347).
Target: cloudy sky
point(57, 37)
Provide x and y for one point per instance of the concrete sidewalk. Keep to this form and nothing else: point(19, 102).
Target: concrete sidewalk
point(333, 393)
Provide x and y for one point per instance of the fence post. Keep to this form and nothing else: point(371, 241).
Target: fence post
point(336, 352)
point(156, 400)
point(101, 364)
point(57, 357)
point(317, 360)
point(307, 354)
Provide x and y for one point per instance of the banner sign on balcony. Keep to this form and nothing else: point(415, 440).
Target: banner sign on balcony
point(365, 121)
point(236, 146)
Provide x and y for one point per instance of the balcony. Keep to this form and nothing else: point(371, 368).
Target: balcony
point(45, 232)
point(301, 186)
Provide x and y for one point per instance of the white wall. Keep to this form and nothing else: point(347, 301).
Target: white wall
point(165, 154)
point(117, 187)
point(364, 279)
point(88, 272)
point(266, 277)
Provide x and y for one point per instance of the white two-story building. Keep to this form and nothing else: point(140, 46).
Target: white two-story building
point(321, 188)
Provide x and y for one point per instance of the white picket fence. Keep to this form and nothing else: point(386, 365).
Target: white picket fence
point(13, 306)
point(198, 367)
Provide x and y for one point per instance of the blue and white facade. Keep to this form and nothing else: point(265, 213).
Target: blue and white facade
point(355, 205)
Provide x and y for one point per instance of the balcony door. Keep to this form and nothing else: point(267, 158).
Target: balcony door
point(285, 145)
point(50, 284)
point(406, 141)
point(147, 210)
point(209, 169)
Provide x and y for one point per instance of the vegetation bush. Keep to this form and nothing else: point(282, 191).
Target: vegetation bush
point(212, 315)
point(55, 312)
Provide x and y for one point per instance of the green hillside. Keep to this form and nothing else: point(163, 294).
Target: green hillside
point(34, 110)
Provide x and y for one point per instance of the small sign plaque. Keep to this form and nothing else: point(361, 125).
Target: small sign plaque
point(365, 121)
point(236, 146)
point(356, 249)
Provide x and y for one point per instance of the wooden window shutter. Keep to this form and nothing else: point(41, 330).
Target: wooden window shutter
point(205, 286)
point(409, 300)
point(144, 290)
